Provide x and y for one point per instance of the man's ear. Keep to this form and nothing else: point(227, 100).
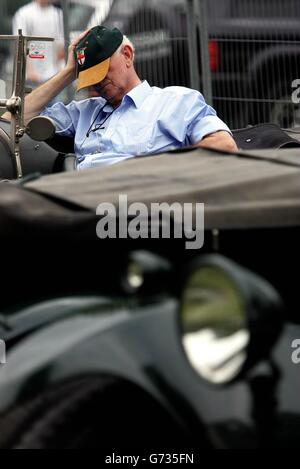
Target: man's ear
point(128, 53)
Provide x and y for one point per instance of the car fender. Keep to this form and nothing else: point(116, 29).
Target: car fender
point(278, 52)
point(140, 344)
point(83, 340)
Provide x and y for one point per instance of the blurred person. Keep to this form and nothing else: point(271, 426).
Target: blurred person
point(129, 117)
point(46, 59)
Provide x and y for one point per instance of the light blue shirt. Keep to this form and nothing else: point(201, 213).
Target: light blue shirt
point(149, 120)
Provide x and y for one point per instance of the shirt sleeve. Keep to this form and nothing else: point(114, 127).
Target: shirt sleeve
point(64, 118)
point(202, 118)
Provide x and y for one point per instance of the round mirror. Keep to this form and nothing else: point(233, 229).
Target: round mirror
point(40, 128)
point(215, 331)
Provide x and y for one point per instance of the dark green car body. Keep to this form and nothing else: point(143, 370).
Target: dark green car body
point(66, 316)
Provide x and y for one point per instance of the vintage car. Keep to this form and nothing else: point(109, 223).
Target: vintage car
point(141, 340)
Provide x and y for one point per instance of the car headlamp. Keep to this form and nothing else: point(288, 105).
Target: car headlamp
point(230, 318)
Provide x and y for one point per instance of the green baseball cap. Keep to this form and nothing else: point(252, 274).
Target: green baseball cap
point(93, 55)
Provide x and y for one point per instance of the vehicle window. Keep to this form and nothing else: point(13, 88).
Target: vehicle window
point(80, 16)
point(264, 8)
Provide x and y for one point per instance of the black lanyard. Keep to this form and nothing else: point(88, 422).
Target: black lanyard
point(100, 125)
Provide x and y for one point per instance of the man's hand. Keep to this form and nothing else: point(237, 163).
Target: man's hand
point(71, 63)
point(218, 141)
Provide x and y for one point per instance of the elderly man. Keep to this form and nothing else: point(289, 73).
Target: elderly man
point(128, 117)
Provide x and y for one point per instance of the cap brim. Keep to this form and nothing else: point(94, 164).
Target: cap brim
point(93, 75)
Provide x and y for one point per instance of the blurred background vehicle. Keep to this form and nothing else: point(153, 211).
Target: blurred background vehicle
point(254, 49)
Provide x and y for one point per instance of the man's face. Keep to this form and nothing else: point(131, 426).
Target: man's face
point(114, 86)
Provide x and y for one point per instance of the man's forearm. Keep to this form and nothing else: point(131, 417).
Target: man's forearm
point(219, 141)
point(39, 98)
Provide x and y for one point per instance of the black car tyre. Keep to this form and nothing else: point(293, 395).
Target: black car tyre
point(94, 412)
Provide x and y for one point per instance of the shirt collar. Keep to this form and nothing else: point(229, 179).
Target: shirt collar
point(140, 93)
point(137, 95)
